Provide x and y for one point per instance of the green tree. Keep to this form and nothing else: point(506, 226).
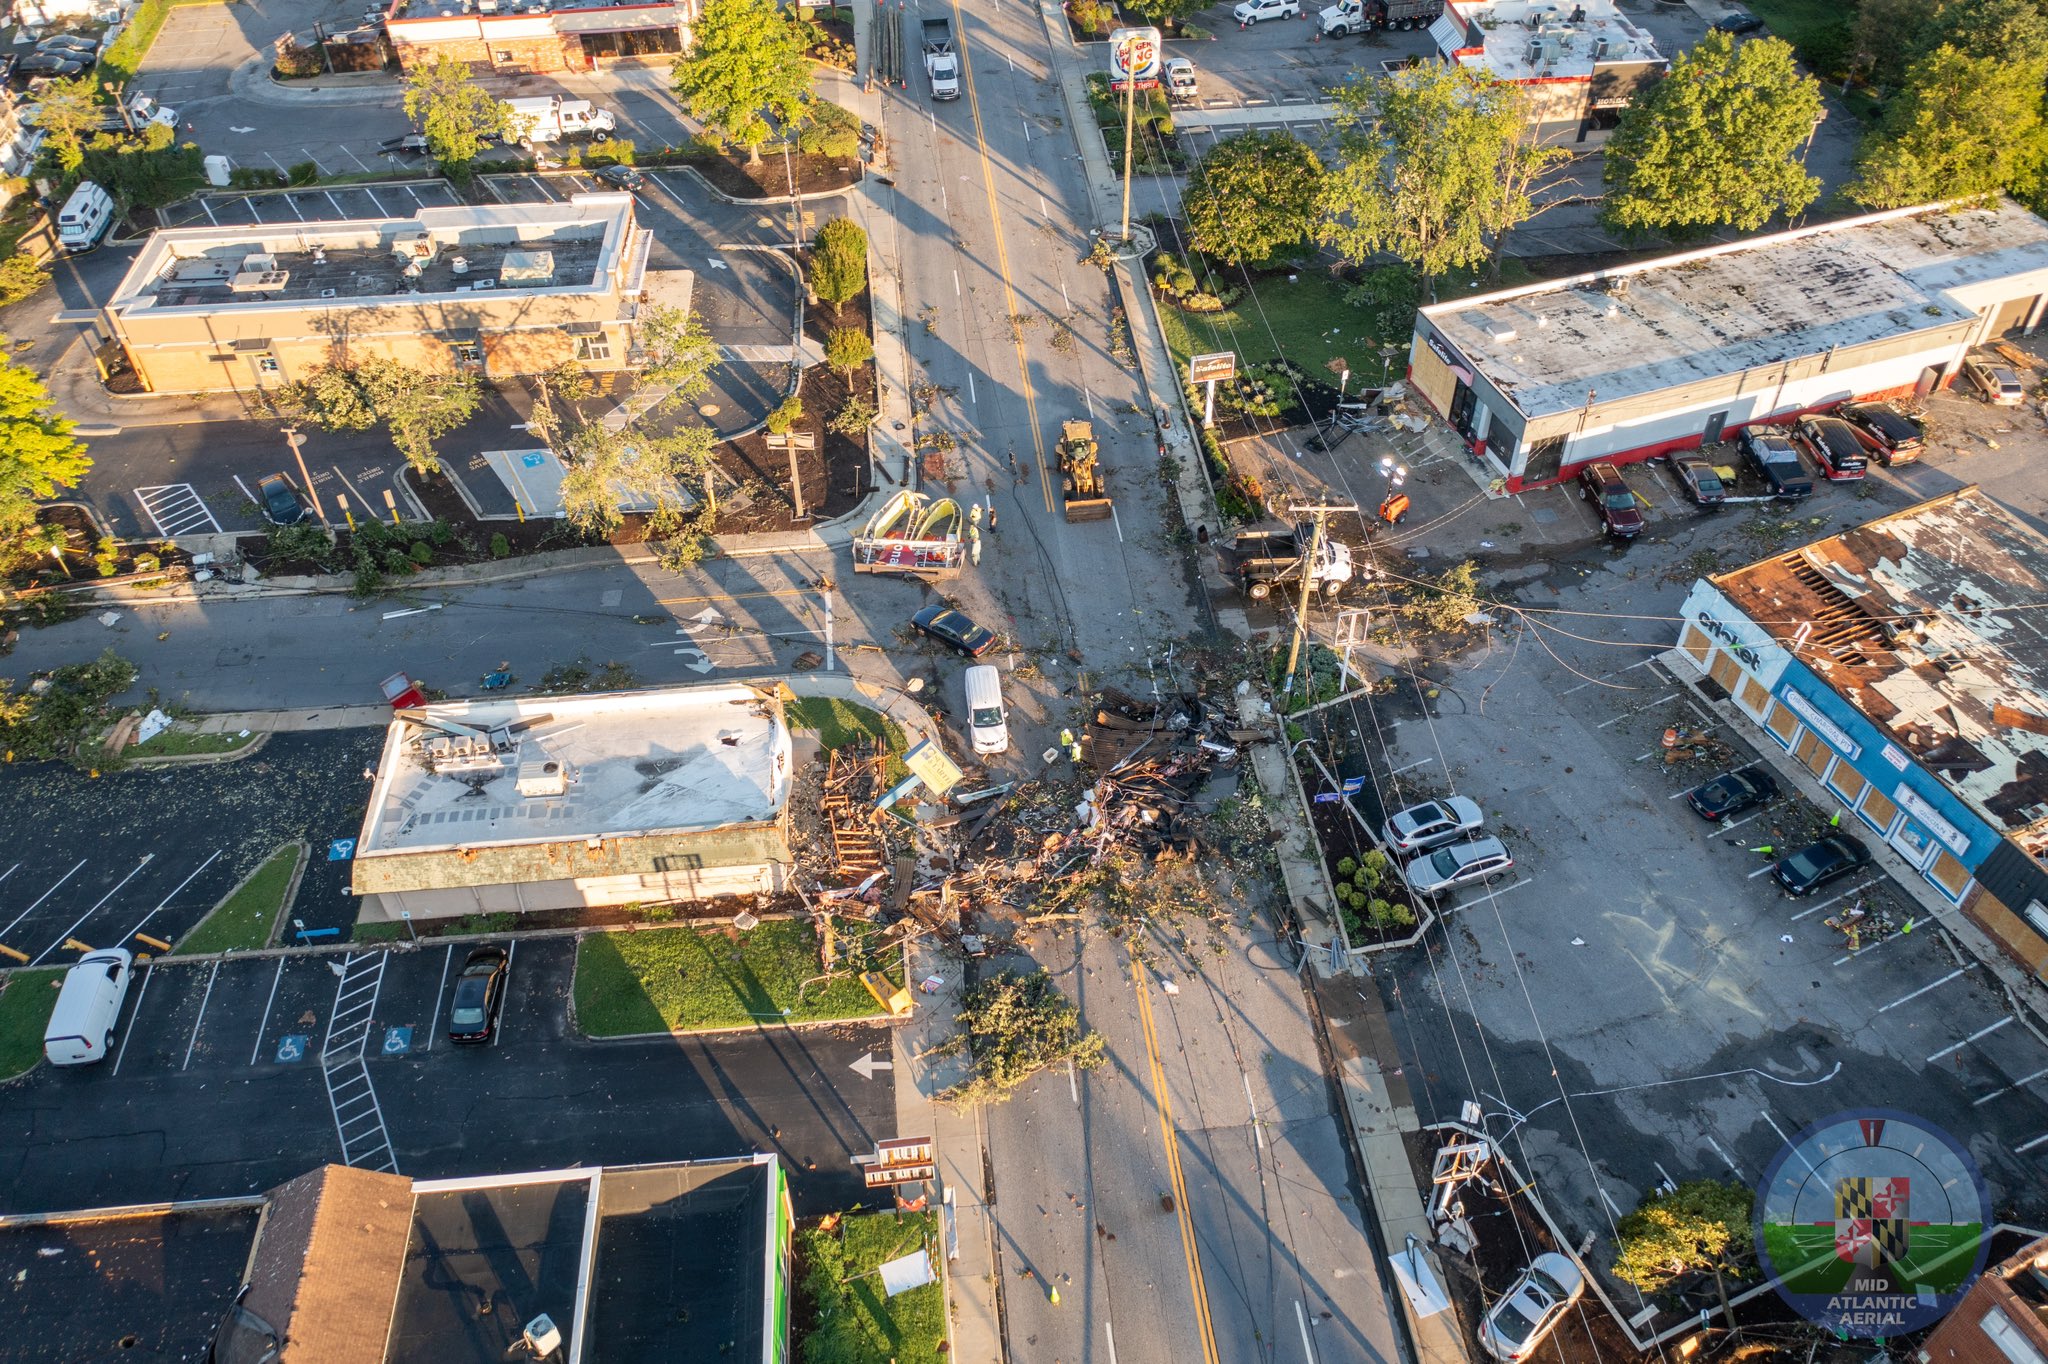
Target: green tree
point(69, 113)
point(847, 349)
point(1715, 143)
point(1166, 13)
point(1524, 169)
point(415, 407)
point(680, 354)
point(748, 65)
point(2012, 30)
point(1418, 177)
point(38, 454)
point(603, 468)
point(1014, 1027)
point(839, 263)
point(458, 117)
point(786, 415)
point(1701, 1225)
point(20, 276)
point(1962, 127)
point(1252, 196)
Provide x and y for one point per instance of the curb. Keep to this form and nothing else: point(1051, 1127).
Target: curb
point(257, 740)
point(763, 1026)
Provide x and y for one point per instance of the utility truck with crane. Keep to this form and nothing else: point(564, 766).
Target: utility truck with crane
point(1265, 561)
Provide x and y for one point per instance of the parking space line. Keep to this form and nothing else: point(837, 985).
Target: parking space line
point(264, 1022)
point(173, 895)
point(339, 211)
point(498, 1033)
point(1763, 870)
point(1980, 1033)
point(209, 211)
point(320, 168)
point(1815, 909)
point(203, 1000)
point(148, 974)
point(40, 898)
point(1494, 894)
point(1726, 1159)
point(1904, 999)
point(2020, 1083)
point(293, 206)
point(2028, 1146)
point(1738, 823)
point(434, 1023)
point(382, 211)
point(252, 208)
point(147, 858)
point(360, 499)
point(415, 196)
point(348, 152)
point(245, 488)
point(1419, 762)
point(10, 871)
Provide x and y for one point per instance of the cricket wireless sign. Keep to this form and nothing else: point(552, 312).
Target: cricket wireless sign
point(1871, 1223)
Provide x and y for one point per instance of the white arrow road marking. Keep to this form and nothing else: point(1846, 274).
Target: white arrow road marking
point(867, 1065)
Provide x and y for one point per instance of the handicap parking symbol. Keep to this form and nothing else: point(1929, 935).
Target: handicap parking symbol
point(291, 1047)
point(533, 461)
point(397, 1041)
point(341, 850)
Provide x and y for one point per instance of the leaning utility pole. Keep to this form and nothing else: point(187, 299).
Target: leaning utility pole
point(1320, 514)
point(1130, 120)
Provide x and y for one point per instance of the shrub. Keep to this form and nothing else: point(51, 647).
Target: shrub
point(439, 532)
point(303, 173)
point(421, 553)
point(830, 131)
point(501, 548)
point(847, 349)
point(107, 557)
point(854, 418)
point(787, 415)
point(1384, 914)
point(1345, 867)
point(21, 275)
point(610, 151)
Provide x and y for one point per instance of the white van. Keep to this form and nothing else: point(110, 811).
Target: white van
point(986, 727)
point(86, 218)
point(82, 1025)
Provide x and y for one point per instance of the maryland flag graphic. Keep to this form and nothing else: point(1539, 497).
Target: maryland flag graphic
point(1870, 1220)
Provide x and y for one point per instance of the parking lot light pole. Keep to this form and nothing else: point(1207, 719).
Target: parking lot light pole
point(113, 88)
point(297, 442)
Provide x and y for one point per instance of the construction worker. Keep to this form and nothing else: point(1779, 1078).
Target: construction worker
point(974, 516)
point(1394, 507)
point(974, 543)
point(1074, 752)
point(991, 516)
point(1066, 738)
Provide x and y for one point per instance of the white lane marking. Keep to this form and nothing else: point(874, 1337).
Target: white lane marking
point(203, 1000)
point(173, 895)
point(1116, 521)
point(1903, 999)
point(1725, 1157)
point(1110, 1336)
point(1610, 1202)
point(2023, 1149)
point(147, 858)
point(1073, 1085)
point(956, 284)
point(40, 898)
point(1763, 870)
point(148, 974)
point(434, 1023)
point(264, 1022)
point(1981, 1032)
point(1308, 1351)
point(245, 490)
point(2007, 1089)
point(972, 396)
point(1419, 762)
point(10, 871)
point(1737, 824)
point(1858, 890)
point(1252, 1110)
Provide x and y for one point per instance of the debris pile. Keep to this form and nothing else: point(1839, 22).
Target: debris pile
point(853, 783)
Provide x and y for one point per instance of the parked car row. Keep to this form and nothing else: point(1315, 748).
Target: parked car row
point(1797, 873)
point(1438, 832)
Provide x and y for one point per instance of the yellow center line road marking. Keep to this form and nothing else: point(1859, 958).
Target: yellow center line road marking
point(995, 214)
point(736, 596)
point(1204, 1328)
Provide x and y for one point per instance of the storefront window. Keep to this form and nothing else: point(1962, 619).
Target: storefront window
point(1848, 783)
point(1952, 876)
point(1878, 810)
point(1813, 752)
point(1695, 642)
point(1782, 724)
point(1725, 670)
point(1754, 696)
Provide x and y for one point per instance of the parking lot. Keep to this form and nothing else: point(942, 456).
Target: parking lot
point(1637, 1000)
point(392, 199)
point(216, 1086)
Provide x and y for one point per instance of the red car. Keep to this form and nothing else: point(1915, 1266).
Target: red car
point(1619, 512)
point(1836, 449)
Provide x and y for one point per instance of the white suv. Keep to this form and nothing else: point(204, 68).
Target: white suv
point(1251, 11)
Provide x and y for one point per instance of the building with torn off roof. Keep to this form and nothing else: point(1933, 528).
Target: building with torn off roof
point(1579, 62)
point(681, 1261)
point(1679, 352)
point(1905, 664)
point(500, 289)
point(556, 802)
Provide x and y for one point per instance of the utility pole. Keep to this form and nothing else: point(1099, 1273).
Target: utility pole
point(1320, 514)
point(121, 103)
point(297, 442)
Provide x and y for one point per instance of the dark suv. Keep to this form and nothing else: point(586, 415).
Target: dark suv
point(1776, 461)
point(1836, 448)
point(1618, 510)
point(1892, 436)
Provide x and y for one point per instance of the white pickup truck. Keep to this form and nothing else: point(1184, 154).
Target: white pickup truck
point(941, 62)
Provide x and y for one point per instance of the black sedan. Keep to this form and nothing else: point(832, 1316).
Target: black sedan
point(1813, 866)
point(479, 991)
point(622, 177)
point(50, 64)
point(1731, 793)
point(1738, 23)
point(282, 505)
point(954, 629)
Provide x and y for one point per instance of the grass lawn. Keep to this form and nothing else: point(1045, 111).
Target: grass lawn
point(687, 979)
point(180, 740)
point(1293, 321)
point(841, 1309)
point(242, 922)
point(838, 723)
point(1800, 22)
point(25, 1004)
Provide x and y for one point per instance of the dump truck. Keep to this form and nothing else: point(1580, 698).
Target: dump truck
point(941, 62)
point(1363, 16)
point(1081, 489)
point(1265, 561)
point(912, 535)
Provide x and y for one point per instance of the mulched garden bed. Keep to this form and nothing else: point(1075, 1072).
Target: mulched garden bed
point(834, 475)
point(770, 179)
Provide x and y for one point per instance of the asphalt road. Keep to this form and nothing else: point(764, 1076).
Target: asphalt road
point(215, 1089)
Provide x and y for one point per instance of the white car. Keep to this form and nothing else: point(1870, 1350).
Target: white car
point(1461, 864)
point(1251, 11)
point(1526, 1313)
point(1431, 824)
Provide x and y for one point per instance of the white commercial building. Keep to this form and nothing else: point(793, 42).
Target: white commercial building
point(1579, 63)
point(1670, 354)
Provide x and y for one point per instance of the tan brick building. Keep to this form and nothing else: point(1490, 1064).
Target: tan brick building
point(2003, 1319)
point(512, 38)
point(503, 289)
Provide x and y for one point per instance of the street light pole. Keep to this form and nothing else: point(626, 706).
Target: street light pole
point(297, 442)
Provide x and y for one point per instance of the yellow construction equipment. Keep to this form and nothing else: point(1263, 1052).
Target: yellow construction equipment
point(1081, 473)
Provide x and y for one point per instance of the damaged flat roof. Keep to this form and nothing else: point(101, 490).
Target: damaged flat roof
point(1707, 314)
point(1926, 622)
point(677, 760)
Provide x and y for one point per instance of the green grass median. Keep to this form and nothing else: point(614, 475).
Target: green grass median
point(243, 921)
point(690, 979)
point(25, 1003)
point(843, 1314)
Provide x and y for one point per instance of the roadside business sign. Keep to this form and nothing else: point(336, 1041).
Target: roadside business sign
point(899, 1160)
point(1204, 369)
point(1134, 52)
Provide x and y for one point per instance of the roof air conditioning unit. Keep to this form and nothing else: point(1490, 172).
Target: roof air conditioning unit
point(540, 780)
point(542, 1336)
